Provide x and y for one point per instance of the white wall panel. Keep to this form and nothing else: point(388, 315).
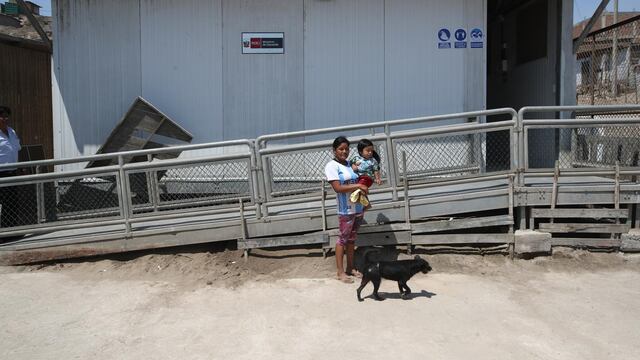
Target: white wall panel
point(422, 79)
point(263, 93)
point(181, 54)
point(96, 71)
point(344, 62)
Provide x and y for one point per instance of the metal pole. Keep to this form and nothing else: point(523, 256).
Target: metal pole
point(123, 193)
point(393, 166)
point(593, 69)
point(152, 186)
point(405, 183)
point(323, 206)
point(40, 199)
point(614, 54)
point(255, 179)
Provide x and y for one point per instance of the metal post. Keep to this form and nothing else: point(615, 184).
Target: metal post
point(614, 54)
point(407, 213)
point(125, 198)
point(511, 202)
point(407, 201)
point(152, 186)
point(554, 192)
point(266, 182)
point(40, 199)
point(593, 69)
point(243, 229)
point(520, 154)
point(254, 177)
point(322, 205)
point(391, 164)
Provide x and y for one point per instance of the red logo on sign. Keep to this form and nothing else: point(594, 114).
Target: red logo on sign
point(256, 43)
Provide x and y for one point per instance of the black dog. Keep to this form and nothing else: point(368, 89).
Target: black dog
point(398, 270)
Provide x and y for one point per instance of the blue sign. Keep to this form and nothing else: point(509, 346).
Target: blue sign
point(476, 34)
point(444, 35)
point(476, 38)
point(461, 36)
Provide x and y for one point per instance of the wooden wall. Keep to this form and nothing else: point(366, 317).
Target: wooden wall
point(25, 86)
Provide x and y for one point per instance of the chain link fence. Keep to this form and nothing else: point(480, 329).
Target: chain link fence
point(55, 201)
point(608, 65)
point(301, 172)
point(448, 156)
point(190, 186)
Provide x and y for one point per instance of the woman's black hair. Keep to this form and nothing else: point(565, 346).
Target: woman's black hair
point(340, 140)
point(363, 144)
point(5, 110)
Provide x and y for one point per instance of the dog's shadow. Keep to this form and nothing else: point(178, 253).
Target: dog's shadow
point(396, 295)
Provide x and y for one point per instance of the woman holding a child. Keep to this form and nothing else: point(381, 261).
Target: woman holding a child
point(344, 181)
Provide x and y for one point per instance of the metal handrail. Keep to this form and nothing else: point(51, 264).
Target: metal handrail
point(261, 140)
point(259, 173)
point(115, 155)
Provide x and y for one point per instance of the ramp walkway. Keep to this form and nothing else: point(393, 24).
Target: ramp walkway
point(455, 181)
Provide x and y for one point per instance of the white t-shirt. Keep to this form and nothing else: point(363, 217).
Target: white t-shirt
point(9, 147)
point(345, 174)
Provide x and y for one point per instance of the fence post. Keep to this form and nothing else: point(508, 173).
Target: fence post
point(254, 178)
point(125, 197)
point(40, 199)
point(392, 163)
point(152, 186)
point(593, 69)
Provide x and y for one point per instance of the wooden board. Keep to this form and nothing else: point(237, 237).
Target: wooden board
point(283, 241)
point(580, 213)
point(462, 239)
point(583, 228)
point(469, 223)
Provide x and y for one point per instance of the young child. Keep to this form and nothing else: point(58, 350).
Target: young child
point(367, 165)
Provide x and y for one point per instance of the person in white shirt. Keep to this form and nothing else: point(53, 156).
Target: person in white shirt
point(9, 148)
point(344, 181)
point(9, 142)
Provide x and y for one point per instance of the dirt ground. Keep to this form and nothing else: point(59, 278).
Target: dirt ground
point(208, 303)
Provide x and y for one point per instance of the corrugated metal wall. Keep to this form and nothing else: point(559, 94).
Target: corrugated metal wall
point(345, 61)
point(25, 86)
point(263, 93)
point(182, 63)
point(96, 71)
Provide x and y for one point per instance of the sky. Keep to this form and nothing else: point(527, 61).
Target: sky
point(582, 9)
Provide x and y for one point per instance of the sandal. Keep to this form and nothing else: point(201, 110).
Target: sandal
point(356, 273)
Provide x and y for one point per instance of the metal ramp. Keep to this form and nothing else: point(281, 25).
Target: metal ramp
point(443, 188)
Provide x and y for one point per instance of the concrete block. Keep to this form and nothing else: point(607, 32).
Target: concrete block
point(630, 241)
point(532, 242)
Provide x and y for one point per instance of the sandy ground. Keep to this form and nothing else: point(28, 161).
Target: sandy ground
point(210, 304)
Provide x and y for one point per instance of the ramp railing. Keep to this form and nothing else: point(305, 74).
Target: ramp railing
point(250, 177)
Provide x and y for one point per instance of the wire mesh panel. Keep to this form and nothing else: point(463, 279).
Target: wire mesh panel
point(68, 199)
point(593, 146)
point(17, 205)
point(454, 155)
point(300, 172)
point(600, 79)
point(190, 186)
